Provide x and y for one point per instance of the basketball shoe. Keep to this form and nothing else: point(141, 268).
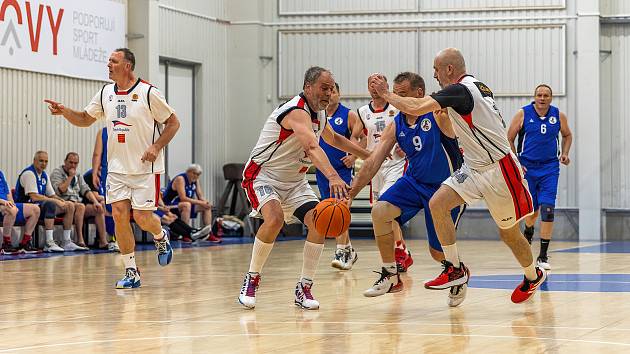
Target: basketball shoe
point(131, 279)
point(387, 283)
point(337, 261)
point(543, 262)
point(527, 288)
point(247, 297)
point(350, 258)
point(303, 296)
point(449, 277)
point(164, 249)
point(8, 249)
point(403, 257)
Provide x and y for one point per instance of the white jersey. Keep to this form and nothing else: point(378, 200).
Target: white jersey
point(375, 122)
point(134, 122)
point(478, 123)
point(278, 154)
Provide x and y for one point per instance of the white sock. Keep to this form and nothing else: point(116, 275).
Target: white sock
point(67, 235)
point(159, 236)
point(340, 246)
point(530, 272)
point(311, 253)
point(260, 253)
point(129, 260)
point(49, 236)
point(391, 267)
point(451, 255)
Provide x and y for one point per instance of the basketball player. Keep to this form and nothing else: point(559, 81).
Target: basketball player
point(344, 122)
point(134, 111)
point(275, 181)
point(12, 212)
point(431, 148)
point(375, 116)
point(490, 171)
point(538, 126)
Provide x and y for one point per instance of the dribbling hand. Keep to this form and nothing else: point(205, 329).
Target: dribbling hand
point(55, 108)
point(338, 188)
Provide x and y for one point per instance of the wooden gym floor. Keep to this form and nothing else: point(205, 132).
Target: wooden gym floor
point(67, 304)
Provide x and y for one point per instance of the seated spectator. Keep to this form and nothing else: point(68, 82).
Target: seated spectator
point(33, 186)
point(179, 228)
point(184, 192)
point(23, 213)
point(70, 186)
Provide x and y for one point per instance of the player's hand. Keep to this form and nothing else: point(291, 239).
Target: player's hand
point(98, 206)
point(61, 204)
point(72, 172)
point(55, 108)
point(349, 160)
point(377, 83)
point(96, 180)
point(564, 159)
point(151, 154)
point(338, 188)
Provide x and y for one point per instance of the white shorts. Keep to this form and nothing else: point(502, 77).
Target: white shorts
point(291, 195)
point(501, 185)
point(385, 178)
point(142, 190)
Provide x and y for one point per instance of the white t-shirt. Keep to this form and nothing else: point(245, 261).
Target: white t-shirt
point(134, 122)
point(375, 122)
point(29, 183)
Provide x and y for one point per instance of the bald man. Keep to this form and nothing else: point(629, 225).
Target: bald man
point(490, 171)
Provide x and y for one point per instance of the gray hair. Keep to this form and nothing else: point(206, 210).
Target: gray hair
point(312, 74)
point(195, 167)
point(129, 56)
point(415, 81)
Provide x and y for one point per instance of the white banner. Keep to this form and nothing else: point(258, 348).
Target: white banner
point(63, 37)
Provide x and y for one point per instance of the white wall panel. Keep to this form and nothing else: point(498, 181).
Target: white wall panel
point(350, 55)
point(615, 127)
point(213, 8)
point(614, 7)
point(202, 41)
point(310, 7)
point(511, 61)
point(27, 126)
point(488, 5)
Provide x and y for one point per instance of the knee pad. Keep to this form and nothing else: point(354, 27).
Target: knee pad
point(49, 208)
point(301, 211)
point(547, 212)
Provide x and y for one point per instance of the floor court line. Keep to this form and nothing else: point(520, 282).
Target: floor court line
point(310, 334)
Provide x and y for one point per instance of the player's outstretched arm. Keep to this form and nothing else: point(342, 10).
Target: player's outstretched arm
point(374, 162)
point(410, 105)
point(300, 122)
point(515, 126)
point(80, 119)
point(342, 143)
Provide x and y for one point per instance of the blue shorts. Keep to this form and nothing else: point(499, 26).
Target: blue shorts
point(19, 218)
point(411, 197)
point(542, 180)
point(322, 181)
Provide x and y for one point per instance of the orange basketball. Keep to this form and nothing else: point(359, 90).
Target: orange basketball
point(332, 217)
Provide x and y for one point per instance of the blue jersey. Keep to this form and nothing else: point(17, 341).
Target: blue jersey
point(20, 194)
point(104, 153)
point(339, 123)
point(4, 187)
point(170, 194)
point(539, 137)
point(432, 155)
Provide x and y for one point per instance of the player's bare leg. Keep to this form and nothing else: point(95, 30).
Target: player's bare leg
point(273, 217)
point(150, 222)
point(184, 211)
point(383, 219)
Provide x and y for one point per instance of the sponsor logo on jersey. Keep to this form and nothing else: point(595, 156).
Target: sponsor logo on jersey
point(531, 120)
point(425, 124)
point(117, 123)
point(485, 90)
point(553, 120)
point(134, 97)
point(391, 113)
point(111, 97)
point(149, 201)
point(402, 134)
point(120, 126)
point(121, 139)
point(338, 120)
